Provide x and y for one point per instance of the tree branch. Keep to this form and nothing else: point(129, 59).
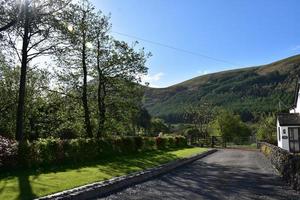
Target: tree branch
point(7, 26)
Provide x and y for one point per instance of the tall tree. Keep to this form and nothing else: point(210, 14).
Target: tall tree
point(102, 42)
point(75, 57)
point(34, 25)
point(200, 115)
point(118, 66)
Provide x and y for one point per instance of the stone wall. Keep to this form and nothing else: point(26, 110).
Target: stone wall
point(287, 164)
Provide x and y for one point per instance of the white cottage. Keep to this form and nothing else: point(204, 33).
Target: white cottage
point(288, 126)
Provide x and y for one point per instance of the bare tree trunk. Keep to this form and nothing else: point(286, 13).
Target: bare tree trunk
point(84, 87)
point(101, 107)
point(22, 87)
point(101, 95)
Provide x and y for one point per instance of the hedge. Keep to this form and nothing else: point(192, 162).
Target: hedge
point(52, 151)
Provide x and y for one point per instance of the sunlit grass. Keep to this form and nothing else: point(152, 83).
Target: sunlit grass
point(29, 184)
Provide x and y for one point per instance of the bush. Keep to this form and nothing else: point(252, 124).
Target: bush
point(8, 152)
point(266, 130)
point(181, 141)
point(50, 151)
point(149, 143)
point(193, 134)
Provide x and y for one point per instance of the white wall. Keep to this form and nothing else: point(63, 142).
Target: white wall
point(292, 110)
point(283, 143)
point(279, 129)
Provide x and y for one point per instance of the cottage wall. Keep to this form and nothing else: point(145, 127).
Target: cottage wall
point(283, 137)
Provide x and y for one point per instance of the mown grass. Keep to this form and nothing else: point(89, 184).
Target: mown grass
point(28, 184)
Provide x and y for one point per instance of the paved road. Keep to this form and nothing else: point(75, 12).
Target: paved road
point(226, 174)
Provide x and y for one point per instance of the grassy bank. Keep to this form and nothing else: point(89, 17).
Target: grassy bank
point(29, 184)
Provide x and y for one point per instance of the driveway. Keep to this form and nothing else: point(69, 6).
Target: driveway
point(226, 174)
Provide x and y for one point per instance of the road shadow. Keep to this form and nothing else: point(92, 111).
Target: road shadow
point(211, 181)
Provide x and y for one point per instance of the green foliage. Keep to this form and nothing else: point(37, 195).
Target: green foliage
point(193, 134)
point(230, 127)
point(53, 151)
point(158, 126)
point(8, 151)
point(143, 119)
point(62, 103)
point(266, 130)
point(170, 142)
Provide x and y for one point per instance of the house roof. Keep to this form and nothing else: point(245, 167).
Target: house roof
point(289, 119)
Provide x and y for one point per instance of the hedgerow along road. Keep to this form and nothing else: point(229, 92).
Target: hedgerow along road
point(226, 174)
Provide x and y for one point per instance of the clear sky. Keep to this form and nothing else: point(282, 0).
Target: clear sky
point(239, 32)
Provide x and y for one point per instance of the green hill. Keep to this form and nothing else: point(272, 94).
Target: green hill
point(246, 91)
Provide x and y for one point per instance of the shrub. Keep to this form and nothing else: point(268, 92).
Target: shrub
point(193, 134)
point(266, 130)
point(49, 151)
point(162, 142)
point(8, 152)
point(45, 152)
point(181, 141)
point(138, 141)
point(149, 143)
point(27, 156)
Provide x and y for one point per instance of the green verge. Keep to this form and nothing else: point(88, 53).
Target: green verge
point(29, 184)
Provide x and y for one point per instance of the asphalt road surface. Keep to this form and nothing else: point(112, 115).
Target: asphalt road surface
point(226, 174)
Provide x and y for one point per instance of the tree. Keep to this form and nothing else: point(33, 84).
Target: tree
point(230, 127)
point(8, 18)
point(36, 22)
point(143, 119)
point(74, 58)
point(266, 130)
point(37, 82)
point(200, 115)
point(116, 62)
point(87, 59)
point(158, 126)
point(102, 42)
point(8, 90)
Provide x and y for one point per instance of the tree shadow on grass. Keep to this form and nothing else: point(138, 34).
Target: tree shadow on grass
point(26, 192)
point(129, 164)
point(23, 185)
point(115, 165)
point(140, 159)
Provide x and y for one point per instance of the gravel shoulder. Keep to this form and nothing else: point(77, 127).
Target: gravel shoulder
point(226, 174)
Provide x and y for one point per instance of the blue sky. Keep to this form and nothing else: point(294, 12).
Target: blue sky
point(240, 32)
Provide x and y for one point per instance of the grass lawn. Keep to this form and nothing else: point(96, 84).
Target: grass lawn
point(36, 183)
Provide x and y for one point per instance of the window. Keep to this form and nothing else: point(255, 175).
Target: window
point(279, 136)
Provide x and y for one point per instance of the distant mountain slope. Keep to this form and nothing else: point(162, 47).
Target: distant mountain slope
point(246, 91)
